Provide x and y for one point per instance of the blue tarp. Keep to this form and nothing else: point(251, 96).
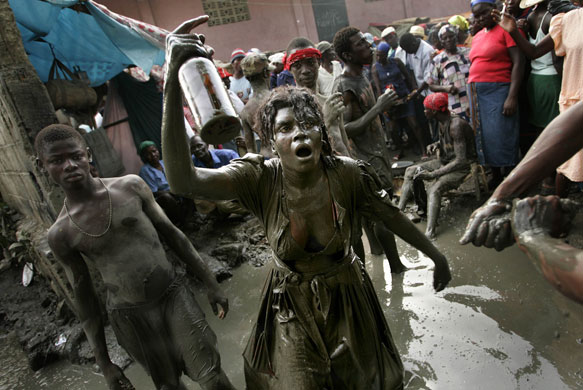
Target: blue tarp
point(95, 42)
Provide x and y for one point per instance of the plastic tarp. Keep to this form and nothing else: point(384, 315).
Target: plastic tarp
point(100, 42)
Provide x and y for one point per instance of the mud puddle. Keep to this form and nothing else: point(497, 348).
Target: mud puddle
point(498, 325)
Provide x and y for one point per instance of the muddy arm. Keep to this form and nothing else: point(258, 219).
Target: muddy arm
point(183, 177)
point(560, 263)
point(87, 305)
point(249, 139)
point(356, 126)
point(561, 139)
point(404, 228)
point(180, 244)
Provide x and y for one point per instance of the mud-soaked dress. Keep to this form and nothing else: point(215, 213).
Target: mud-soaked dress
point(324, 330)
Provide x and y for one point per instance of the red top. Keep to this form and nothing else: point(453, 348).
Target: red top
point(489, 56)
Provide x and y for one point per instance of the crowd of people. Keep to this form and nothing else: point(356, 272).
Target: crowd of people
point(314, 165)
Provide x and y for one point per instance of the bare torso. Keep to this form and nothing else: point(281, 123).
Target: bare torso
point(130, 256)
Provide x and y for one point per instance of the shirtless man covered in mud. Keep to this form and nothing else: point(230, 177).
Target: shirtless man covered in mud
point(363, 125)
point(115, 224)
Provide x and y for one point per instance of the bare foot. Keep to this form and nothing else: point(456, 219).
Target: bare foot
point(431, 235)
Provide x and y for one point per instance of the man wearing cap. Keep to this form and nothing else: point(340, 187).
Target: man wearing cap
point(152, 172)
point(330, 68)
point(389, 35)
point(239, 84)
point(255, 68)
point(455, 153)
point(276, 60)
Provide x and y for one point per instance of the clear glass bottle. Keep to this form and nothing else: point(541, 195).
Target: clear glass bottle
point(209, 101)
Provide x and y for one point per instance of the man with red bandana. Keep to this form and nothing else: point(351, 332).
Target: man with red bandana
point(455, 152)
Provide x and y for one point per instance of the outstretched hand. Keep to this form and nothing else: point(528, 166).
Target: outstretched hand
point(441, 275)
point(219, 303)
point(182, 45)
point(490, 226)
point(116, 379)
point(388, 99)
point(550, 215)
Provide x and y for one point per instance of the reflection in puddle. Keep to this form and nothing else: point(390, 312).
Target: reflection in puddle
point(494, 327)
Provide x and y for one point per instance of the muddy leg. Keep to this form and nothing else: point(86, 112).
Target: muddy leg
point(434, 205)
point(407, 188)
point(375, 246)
point(387, 240)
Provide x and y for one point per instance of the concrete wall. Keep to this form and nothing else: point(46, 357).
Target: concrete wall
point(274, 23)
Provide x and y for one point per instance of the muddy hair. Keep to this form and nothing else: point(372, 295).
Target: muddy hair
point(301, 101)
point(53, 133)
point(299, 43)
point(341, 41)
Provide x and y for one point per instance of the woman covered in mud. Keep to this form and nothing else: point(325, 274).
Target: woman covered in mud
point(320, 325)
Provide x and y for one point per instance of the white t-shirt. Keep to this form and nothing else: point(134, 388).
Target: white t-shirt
point(241, 87)
point(326, 80)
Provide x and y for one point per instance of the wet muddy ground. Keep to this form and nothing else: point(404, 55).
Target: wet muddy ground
point(498, 325)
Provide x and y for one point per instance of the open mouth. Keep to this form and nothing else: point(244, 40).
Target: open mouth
point(303, 151)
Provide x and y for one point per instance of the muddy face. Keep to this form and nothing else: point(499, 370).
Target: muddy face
point(67, 162)
point(361, 51)
point(298, 144)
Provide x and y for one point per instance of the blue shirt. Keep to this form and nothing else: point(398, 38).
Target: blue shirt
point(285, 77)
point(220, 157)
point(154, 178)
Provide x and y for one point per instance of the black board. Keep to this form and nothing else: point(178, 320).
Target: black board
point(330, 16)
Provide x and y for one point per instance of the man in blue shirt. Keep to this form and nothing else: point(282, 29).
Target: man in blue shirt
point(176, 207)
point(202, 157)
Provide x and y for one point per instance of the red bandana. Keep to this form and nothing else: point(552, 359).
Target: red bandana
point(299, 55)
point(437, 102)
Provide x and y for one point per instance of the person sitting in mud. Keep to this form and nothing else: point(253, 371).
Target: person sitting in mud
point(115, 224)
point(177, 208)
point(455, 153)
point(320, 324)
point(490, 225)
point(256, 69)
point(202, 157)
point(363, 125)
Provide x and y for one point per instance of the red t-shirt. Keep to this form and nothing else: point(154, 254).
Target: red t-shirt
point(489, 56)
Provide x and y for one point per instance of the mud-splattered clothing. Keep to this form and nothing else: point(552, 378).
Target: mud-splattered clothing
point(369, 145)
point(168, 336)
point(317, 330)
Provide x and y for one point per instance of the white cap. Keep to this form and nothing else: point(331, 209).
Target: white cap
point(387, 31)
point(276, 58)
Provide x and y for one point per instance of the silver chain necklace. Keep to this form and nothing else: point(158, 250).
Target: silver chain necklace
point(108, 223)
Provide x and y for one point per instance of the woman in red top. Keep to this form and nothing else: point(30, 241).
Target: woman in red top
point(494, 81)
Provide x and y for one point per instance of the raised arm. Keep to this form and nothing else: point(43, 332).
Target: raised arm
point(87, 306)
point(353, 126)
point(333, 110)
point(182, 246)
point(508, 23)
point(183, 177)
